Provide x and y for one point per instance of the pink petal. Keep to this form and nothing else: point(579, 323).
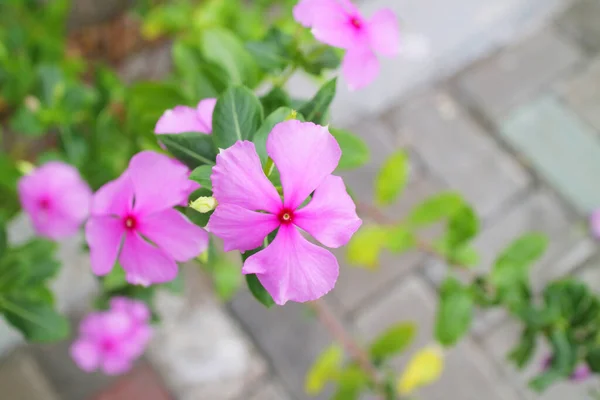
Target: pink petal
point(205, 111)
point(304, 154)
point(104, 235)
point(144, 263)
point(595, 223)
point(114, 198)
point(339, 24)
point(359, 67)
point(384, 33)
point(239, 228)
point(305, 11)
point(180, 119)
point(159, 183)
point(85, 354)
point(137, 309)
point(331, 214)
point(292, 268)
point(238, 179)
point(116, 365)
point(175, 234)
point(91, 326)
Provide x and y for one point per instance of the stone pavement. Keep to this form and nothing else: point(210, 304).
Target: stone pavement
point(505, 109)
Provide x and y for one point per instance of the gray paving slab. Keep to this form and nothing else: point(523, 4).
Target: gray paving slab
point(505, 80)
point(22, 379)
point(580, 21)
point(459, 152)
point(582, 93)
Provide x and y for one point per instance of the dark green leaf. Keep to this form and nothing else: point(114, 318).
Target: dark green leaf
point(275, 99)
point(435, 208)
point(2, 238)
point(36, 319)
point(564, 360)
point(202, 176)
point(462, 227)
point(258, 291)
point(27, 122)
point(355, 152)
point(192, 148)
point(455, 312)
point(115, 280)
point(593, 359)
point(237, 116)
point(317, 108)
point(392, 178)
point(392, 341)
point(512, 265)
point(524, 350)
point(260, 138)
point(323, 57)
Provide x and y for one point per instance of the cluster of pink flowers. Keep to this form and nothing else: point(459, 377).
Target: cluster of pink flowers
point(339, 23)
point(112, 340)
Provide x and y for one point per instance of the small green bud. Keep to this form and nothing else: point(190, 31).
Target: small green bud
point(204, 204)
point(25, 167)
point(292, 115)
point(203, 257)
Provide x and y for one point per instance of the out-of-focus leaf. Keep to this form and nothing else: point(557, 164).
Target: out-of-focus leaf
point(355, 152)
point(423, 369)
point(316, 109)
point(392, 178)
point(455, 312)
point(324, 369)
point(392, 341)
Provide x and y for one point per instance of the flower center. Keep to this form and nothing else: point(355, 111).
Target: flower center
point(44, 204)
point(130, 222)
point(356, 22)
point(107, 345)
point(286, 216)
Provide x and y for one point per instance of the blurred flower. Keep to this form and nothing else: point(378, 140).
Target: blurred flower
point(132, 218)
point(183, 119)
point(112, 340)
point(595, 223)
point(581, 373)
point(56, 199)
point(249, 208)
point(339, 23)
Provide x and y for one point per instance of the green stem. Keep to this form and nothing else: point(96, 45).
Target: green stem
point(269, 166)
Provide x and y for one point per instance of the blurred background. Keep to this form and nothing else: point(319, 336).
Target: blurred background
point(498, 99)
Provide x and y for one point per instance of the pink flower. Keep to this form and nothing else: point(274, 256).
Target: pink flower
point(132, 218)
point(111, 340)
point(595, 223)
point(56, 199)
point(183, 119)
point(290, 268)
point(339, 23)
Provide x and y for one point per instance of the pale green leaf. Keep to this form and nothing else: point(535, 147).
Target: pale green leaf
point(392, 178)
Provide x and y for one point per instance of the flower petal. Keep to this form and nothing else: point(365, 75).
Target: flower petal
point(360, 66)
point(331, 214)
point(595, 223)
point(239, 228)
point(292, 268)
point(159, 182)
point(238, 179)
point(305, 11)
point(86, 354)
point(116, 364)
point(104, 235)
point(114, 198)
point(384, 33)
point(205, 113)
point(175, 234)
point(304, 154)
point(145, 264)
point(180, 119)
point(338, 24)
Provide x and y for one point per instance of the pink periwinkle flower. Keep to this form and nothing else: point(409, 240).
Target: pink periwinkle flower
point(595, 223)
point(132, 219)
point(112, 340)
point(183, 119)
point(56, 199)
point(339, 23)
point(290, 268)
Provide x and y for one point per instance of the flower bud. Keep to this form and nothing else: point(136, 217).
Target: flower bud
point(204, 204)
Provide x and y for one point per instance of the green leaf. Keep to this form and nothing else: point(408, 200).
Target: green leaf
point(435, 208)
point(191, 148)
point(351, 383)
point(260, 138)
point(355, 152)
point(237, 116)
point(316, 108)
point(177, 285)
point(512, 265)
point(524, 350)
point(324, 369)
point(564, 360)
point(275, 99)
point(392, 342)
point(400, 239)
point(258, 291)
point(365, 246)
point(202, 175)
point(3, 237)
point(226, 278)
point(454, 313)
point(323, 57)
point(27, 122)
point(462, 227)
point(225, 49)
point(36, 319)
point(115, 280)
point(464, 255)
point(392, 178)
point(274, 52)
point(593, 359)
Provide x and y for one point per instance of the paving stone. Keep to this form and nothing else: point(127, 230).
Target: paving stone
point(582, 93)
point(142, 383)
point(498, 344)
point(198, 349)
point(581, 22)
point(22, 379)
point(560, 146)
point(456, 149)
point(467, 373)
point(539, 212)
point(355, 284)
point(269, 391)
point(506, 80)
point(289, 337)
